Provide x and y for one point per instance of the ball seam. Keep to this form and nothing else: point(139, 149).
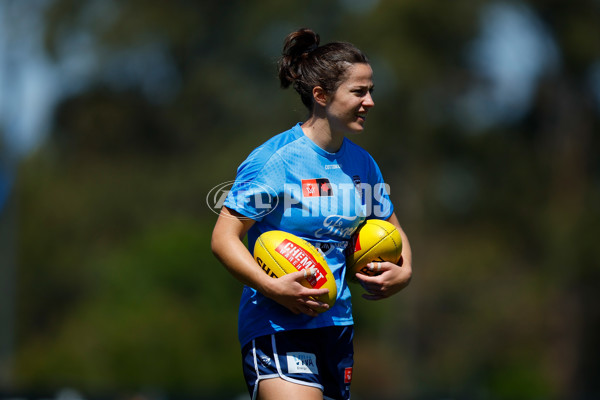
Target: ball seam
point(271, 256)
point(388, 234)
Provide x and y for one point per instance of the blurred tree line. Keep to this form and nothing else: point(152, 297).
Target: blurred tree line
point(118, 291)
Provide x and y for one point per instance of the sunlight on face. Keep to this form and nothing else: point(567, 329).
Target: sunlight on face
point(348, 106)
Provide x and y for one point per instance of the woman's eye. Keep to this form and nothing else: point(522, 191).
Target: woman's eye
point(362, 92)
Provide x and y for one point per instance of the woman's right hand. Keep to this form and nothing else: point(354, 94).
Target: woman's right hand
point(290, 293)
point(227, 245)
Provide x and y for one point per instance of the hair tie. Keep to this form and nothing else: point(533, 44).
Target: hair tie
point(312, 47)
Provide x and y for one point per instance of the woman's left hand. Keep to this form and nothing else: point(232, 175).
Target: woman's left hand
point(391, 279)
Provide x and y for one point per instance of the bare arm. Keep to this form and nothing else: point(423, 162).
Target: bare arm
point(406, 250)
point(393, 277)
point(227, 246)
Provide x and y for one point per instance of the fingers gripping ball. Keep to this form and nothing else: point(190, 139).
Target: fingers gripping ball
point(279, 253)
point(375, 240)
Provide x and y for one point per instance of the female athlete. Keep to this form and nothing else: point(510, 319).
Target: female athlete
point(314, 182)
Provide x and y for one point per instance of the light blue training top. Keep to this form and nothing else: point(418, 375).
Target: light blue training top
point(289, 183)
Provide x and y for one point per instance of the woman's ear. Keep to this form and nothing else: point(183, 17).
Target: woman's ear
point(319, 95)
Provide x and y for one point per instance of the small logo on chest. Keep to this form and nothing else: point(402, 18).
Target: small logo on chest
point(316, 187)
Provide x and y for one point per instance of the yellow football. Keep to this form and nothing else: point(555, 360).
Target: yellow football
point(375, 240)
point(279, 253)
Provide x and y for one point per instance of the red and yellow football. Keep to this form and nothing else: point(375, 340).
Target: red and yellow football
point(375, 240)
point(279, 253)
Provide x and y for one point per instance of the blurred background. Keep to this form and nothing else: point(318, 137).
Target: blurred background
point(118, 117)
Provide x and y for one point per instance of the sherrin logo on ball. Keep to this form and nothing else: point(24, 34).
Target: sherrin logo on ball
point(279, 253)
point(375, 240)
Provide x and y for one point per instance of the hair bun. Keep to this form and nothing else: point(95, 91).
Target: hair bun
point(300, 42)
point(305, 64)
point(296, 47)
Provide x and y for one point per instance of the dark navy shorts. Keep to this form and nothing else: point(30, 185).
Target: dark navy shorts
point(321, 358)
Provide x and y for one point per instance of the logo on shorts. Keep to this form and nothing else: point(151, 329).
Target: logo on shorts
point(302, 363)
point(348, 375)
point(264, 359)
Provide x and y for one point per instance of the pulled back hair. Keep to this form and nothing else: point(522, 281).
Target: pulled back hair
point(304, 64)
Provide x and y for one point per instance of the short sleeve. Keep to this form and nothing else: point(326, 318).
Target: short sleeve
point(382, 207)
point(258, 185)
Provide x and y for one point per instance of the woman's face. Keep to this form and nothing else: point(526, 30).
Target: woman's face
point(348, 106)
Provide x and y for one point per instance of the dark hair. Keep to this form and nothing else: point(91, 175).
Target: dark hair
point(305, 64)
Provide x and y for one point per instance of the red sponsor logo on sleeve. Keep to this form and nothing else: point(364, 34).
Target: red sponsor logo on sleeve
point(348, 375)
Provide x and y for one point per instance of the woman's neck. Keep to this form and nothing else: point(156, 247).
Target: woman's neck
point(318, 130)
